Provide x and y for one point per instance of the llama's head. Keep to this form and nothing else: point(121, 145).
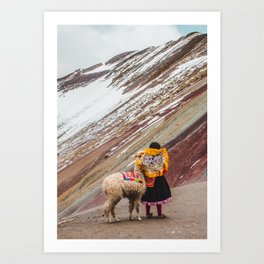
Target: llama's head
point(139, 155)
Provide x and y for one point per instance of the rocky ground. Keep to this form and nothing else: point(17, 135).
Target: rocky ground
point(186, 219)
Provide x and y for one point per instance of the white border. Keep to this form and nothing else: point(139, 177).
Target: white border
point(51, 20)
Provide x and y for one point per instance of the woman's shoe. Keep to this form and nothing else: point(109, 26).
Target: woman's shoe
point(149, 215)
point(162, 216)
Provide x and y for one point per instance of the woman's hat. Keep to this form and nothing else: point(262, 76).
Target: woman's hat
point(154, 145)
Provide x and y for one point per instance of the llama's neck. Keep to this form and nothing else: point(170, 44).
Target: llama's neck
point(137, 169)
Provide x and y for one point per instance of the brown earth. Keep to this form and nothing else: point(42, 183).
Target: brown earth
point(191, 113)
point(186, 219)
point(188, 162)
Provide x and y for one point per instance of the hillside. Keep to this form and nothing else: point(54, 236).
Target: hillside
point(109, 111)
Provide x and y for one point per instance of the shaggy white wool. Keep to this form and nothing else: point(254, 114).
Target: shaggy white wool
point(116, 188)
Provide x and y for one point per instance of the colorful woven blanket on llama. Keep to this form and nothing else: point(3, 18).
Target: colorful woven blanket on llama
point(133, 176)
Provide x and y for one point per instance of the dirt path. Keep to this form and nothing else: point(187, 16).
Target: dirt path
point(186, 219)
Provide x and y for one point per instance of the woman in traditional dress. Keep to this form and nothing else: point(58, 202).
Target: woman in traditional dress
point(154, 165)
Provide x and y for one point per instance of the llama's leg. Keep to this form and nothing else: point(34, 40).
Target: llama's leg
point(137, 203)
point(131, 207)
point(114, 203)
point(107, 208)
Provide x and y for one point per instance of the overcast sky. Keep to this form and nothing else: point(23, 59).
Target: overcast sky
point(84, 46)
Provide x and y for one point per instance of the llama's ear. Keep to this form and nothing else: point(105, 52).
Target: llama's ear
point(141, 153)
point(138, 154)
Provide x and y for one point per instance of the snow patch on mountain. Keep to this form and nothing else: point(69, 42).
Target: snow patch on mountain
point(127, 95)
point(79, 107)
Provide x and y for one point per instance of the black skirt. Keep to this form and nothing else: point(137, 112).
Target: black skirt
point(158, 194)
